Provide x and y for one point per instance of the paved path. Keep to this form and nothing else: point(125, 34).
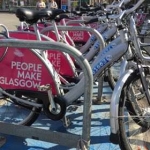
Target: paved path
point(9, 20)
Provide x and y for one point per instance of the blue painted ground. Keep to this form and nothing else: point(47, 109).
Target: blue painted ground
point(100, 131)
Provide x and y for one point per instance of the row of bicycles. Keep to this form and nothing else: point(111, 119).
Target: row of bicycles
point(35, 81)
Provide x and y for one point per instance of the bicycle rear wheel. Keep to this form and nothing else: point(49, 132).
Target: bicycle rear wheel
point(134, 114)
point(14, 112)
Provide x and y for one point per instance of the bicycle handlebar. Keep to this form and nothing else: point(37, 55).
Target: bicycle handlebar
point(112, 6)
point(91, 21)
point(135, 7)
point(120, 16)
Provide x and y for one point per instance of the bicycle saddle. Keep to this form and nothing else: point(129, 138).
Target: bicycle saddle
point(55, 14)
point(87, 9)
point(32, 16)
point(58, 18)
point(79, 13)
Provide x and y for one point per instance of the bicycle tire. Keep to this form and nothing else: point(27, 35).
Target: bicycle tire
point(139, 120)
point(113, 75)
point(110, 79)
point(17, 113)
point(60, 111)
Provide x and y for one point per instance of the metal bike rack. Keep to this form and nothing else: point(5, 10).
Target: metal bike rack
point(75, 21)
point(50, 136)
point(79, 28)
point(85, 18)
point(99, 38)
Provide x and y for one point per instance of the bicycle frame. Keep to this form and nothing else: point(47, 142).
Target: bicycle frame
point(24, 73)
point(98, 66)
point(83, 64)
point(90, 40)
point(120, 83)
point(96, 46)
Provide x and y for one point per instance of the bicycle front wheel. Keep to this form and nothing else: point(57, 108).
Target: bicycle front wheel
point(134, 114)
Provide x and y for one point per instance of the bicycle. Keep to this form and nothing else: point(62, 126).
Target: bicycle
point(103, 60)
point(131, 106)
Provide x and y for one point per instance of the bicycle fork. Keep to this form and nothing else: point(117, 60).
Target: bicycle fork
point(144, 82)
point(47, 88)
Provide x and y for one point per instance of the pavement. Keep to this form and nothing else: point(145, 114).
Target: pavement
point(100, 128)
point(9, 20)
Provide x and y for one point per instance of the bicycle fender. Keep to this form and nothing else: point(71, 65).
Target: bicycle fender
point(115, 101)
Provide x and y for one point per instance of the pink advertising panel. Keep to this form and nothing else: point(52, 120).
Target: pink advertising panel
point(22, 69)
point(57, 58)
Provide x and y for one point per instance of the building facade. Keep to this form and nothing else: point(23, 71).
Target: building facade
point(5, 4)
